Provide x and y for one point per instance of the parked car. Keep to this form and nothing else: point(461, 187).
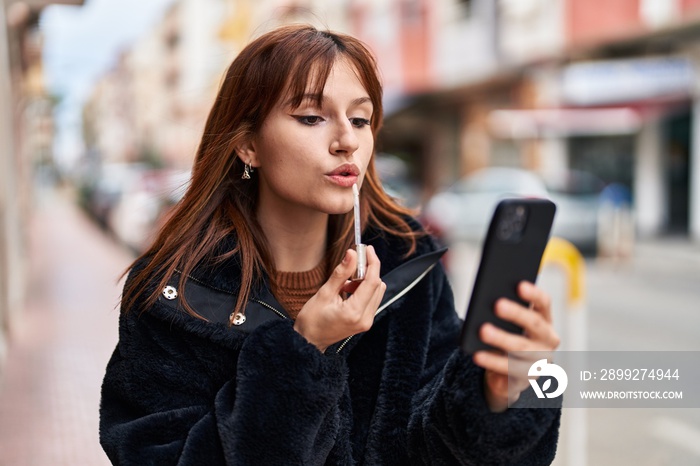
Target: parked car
point(131, 200)
point(104, 187)
point(462, 211)
point(145, 203)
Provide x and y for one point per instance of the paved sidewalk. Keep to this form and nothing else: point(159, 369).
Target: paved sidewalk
point(49, 391)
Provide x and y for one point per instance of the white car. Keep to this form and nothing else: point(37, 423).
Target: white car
point(462, 212)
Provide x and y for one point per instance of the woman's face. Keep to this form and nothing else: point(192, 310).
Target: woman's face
point(308, 158)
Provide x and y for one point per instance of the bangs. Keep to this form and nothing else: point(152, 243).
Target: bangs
point(292, 64)
point(309, 74)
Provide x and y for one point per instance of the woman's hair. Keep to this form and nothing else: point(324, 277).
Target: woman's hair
point(219, 204)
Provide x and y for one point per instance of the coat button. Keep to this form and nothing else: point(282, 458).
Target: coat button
point(170, 292)
point(237, 319)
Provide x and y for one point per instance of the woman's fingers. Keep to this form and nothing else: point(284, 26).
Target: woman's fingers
point(367, 288)
point(538, 340)
point(506, 341)
point(492, 361)
point(342, 273)
point(328, 318)
point(501, 365)
point(376, 299)
point(357, 311)
point(535, 325)
point(365, 300)
point(350, 286)
point(539, 299)
point(517, 352)
point(539, 334)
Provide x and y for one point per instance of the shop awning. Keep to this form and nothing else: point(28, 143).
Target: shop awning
point(543, 123)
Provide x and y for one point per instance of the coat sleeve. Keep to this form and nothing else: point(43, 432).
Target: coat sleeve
point(451, 422)
point(172, 397)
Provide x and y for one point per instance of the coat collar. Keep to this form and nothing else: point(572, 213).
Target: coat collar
point(212, 289)
point(226, 275)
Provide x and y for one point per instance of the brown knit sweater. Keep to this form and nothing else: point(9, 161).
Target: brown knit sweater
point(294, 289)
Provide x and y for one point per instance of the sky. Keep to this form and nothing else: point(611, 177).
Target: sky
point(80, 45)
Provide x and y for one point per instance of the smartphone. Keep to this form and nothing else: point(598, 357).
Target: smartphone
point(512, 252)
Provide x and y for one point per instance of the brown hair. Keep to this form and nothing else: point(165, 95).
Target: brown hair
point(218, 203)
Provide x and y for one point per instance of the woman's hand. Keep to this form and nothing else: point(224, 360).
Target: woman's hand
point(328, 318)
point(538, 335)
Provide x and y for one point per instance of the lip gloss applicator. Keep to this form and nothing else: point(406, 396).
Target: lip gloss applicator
point(359, 247)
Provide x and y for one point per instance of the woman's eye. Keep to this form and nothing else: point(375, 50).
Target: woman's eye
point(359, 122)
point(309, 120)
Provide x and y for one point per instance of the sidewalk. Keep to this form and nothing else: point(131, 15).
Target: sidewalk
point(50, 389)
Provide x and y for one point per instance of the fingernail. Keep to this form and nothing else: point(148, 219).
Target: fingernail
point(346, 257)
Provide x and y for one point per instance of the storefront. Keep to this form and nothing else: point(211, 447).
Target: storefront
point(654, 160)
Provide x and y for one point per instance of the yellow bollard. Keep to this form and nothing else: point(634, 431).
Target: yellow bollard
point(564, 254)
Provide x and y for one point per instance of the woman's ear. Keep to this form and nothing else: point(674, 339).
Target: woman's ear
point(246, 152)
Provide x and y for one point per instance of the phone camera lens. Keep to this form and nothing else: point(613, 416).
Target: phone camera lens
point(505, 230)
point(512, 224)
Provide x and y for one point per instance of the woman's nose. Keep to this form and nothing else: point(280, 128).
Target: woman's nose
point(345, 140)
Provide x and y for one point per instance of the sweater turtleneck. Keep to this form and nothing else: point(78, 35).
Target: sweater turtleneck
point(294, 289)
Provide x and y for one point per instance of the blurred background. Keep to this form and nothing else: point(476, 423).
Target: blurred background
point(592, 103)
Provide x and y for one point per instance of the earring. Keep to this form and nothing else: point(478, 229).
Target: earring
point(246, 171)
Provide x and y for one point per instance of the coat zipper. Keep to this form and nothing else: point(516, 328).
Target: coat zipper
point(270, 308)
point(391, 301)
point(342, 345)
point(263, 303)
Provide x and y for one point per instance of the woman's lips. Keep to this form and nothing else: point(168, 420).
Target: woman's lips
point(346, 169)
point(345, 175)
point(346, 181)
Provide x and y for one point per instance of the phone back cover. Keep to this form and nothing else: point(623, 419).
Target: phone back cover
point(503, 265)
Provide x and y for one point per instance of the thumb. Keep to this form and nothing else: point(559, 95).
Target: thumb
point(343, 271)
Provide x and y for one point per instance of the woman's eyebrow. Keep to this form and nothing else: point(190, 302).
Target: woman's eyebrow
point(361, 100)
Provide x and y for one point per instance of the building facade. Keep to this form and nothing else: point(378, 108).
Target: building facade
point(568, 88)
point(546, 85)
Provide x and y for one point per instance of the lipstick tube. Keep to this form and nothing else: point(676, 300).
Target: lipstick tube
point(361, 250)
point(359, 247)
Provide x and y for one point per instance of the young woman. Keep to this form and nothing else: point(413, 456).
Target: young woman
point(241, 340)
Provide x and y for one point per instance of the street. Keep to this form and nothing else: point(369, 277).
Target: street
point(647, 304)
point(50, 384)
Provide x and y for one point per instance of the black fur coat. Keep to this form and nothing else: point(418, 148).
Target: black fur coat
point(179, 390)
